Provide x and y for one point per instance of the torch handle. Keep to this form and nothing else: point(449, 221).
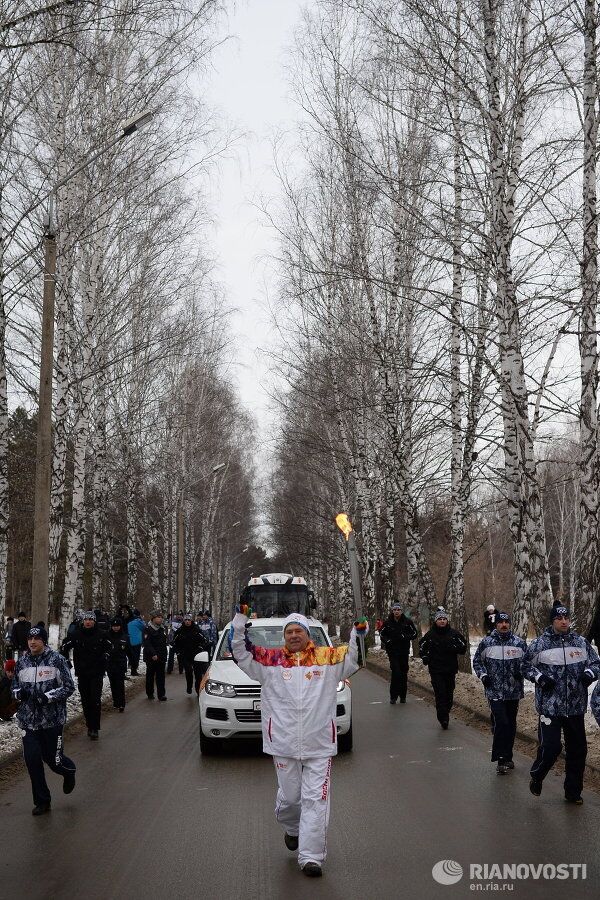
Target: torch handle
point(355, 575)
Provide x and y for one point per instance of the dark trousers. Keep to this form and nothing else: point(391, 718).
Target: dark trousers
point(399, 669)
point(133, 654)
point(90, 690)
point(504, 728)
point(549, 747)
point(443, 688)
point(155, 671)
point(117, 689)
point(171, 661)
point(45, 746)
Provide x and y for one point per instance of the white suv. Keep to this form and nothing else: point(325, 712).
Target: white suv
point(229, 702)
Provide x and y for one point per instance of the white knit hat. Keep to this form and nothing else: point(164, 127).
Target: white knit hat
point(297, 619)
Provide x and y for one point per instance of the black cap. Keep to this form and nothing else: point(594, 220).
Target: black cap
point(38, 632)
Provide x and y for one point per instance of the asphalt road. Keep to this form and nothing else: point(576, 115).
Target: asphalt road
point(152, 820)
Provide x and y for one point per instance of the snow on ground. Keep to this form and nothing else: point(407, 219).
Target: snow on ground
point(10, 733)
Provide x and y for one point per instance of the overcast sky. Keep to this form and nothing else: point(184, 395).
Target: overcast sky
point(247, 83)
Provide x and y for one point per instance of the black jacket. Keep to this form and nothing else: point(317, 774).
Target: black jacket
point(188, 641)
point(155, 643)
point(439, 649)
point(489, 621)
point(90, 646)
point(102, 620)
point(116, 662)
point(397, 635)
point(18, 637)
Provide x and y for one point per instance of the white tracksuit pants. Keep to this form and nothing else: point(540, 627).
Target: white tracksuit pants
point(302, 804)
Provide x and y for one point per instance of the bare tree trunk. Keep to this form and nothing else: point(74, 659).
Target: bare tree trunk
point(587, 590)
point(4, 420)
point(533, 595)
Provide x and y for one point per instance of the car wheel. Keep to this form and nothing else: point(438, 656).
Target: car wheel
point(209, 746)
point(345, 741)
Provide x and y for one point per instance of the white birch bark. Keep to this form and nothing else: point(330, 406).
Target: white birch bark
point(586, 597)
point(533, 596)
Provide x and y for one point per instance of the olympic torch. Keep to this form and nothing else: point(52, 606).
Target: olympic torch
point(343, 523)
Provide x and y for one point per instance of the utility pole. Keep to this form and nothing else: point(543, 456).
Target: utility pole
point(43, 461)
point(180, 555)
point(43, 468)
point(215, 610)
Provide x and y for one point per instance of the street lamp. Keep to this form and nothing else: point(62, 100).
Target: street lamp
point(43, 459)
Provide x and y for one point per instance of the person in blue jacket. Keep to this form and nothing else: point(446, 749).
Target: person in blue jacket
point(563, 665)
point(497, 664)
point(42, 683)
point(135, 630)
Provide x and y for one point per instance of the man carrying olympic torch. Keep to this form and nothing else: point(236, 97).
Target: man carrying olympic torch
point(298, 699)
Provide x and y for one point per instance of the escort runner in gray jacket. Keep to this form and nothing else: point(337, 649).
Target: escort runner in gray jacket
point(42, 683)
point(562, 665)
point(497, 663)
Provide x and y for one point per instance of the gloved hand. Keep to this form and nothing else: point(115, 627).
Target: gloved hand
point(546, 683)
point(587, 678)
point(50, 696)
point(485, 680)
point(23, 692)
point(41, 699)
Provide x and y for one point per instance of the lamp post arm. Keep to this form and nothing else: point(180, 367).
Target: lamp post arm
point(51, 194)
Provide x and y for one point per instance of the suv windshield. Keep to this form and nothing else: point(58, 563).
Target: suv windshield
point(270, 636)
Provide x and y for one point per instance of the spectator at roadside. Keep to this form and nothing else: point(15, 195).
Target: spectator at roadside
point(189, 641)
point(9, 650)
point(209, 630)
point(8, 704)
point(102, 619)
point(19, 633)
point(135, 631)
point(116, 663)
point(174, 626)
point(155, 655)
point(489, 618)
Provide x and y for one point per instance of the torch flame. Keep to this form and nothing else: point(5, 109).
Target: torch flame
point(343, 523)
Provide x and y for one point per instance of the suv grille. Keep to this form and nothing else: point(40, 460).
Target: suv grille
point(213, 712)
point(247, 715)
point(247, 690)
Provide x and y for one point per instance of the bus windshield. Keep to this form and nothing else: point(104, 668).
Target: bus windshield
point(268, 600)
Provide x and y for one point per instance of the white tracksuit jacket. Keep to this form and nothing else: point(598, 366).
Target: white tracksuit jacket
point(299, 692)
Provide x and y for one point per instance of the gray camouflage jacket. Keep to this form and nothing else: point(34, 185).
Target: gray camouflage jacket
point(500, 659)
point(42, 684)
point(563, 658)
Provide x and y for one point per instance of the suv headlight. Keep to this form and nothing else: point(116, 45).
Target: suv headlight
point(341, 685)
point(219, 689)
